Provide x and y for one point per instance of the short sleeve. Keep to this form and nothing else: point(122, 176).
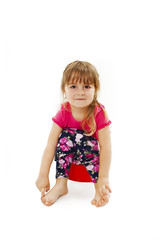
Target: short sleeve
point(101, 118)
point(59, 118)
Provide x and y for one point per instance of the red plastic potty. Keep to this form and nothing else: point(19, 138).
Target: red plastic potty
point(78, 173)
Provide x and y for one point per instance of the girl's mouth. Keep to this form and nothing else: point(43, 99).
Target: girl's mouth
point(80, 99)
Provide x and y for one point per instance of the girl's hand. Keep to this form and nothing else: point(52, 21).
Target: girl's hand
point(103, 187)
point(43, 184)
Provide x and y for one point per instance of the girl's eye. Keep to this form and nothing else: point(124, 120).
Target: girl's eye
point(87, 87)
point(72, 86)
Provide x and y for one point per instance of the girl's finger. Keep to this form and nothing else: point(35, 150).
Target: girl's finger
point(108, 188)
point(47, 188)
point(43, 192)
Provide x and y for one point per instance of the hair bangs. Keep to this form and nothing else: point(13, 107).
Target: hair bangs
point(82, 77)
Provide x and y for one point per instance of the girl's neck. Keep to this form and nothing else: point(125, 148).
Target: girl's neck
point(79, 113)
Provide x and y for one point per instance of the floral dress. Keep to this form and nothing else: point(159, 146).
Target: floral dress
point(77, 148)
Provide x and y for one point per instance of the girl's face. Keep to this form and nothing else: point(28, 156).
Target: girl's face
point(79, 95)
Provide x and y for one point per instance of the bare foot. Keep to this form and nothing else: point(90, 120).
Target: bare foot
point(98, 200)
point(57, 191)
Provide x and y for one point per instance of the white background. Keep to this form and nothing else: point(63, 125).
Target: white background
point(38, 39)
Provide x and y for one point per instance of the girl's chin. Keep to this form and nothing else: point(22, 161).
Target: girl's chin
point(80, 105)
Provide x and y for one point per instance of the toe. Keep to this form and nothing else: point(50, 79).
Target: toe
point(42, 199)
point(47, 204)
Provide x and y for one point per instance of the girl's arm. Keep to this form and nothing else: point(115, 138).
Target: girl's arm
point(49, 151)
point(47, 158)
point(105, 155)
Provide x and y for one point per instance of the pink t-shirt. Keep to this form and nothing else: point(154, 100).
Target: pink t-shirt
point(65, 119)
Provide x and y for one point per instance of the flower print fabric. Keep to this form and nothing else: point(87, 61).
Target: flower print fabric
point(75, 147)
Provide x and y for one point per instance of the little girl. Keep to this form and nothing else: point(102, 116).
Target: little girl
point(80, 134)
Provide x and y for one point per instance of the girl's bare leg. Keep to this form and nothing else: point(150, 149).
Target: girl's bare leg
point(59, 189)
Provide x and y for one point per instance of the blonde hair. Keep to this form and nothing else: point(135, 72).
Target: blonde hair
point(83, 72)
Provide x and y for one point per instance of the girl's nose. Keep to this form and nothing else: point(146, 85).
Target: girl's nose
point(81, 92)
